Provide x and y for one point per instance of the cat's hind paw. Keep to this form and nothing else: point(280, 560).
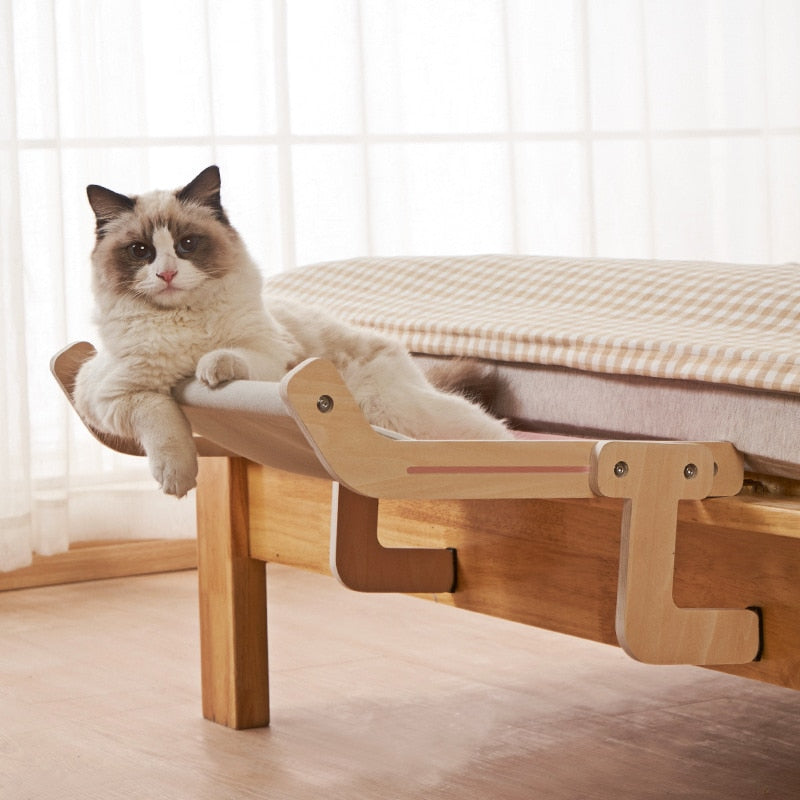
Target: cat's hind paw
point(221, 366)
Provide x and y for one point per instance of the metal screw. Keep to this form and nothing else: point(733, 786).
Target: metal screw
point(621, 469)
point(325, 403)
point(690, 471)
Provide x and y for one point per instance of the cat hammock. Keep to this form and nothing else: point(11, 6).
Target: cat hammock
point(310, 424)
point(651, 546)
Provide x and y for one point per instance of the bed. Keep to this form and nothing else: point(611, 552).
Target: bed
point(651, 500)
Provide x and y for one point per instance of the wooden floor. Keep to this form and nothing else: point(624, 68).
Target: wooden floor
point(372, 697)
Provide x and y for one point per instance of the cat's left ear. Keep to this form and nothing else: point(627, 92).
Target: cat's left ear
point(204, 190)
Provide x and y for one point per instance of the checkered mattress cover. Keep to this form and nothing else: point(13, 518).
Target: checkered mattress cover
point(731, 324)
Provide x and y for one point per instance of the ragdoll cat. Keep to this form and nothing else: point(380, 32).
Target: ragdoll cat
point(177, 295)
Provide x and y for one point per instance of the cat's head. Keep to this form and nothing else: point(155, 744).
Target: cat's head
point(162, 247)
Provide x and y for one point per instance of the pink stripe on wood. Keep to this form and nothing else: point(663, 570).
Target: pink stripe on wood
point(495, 470)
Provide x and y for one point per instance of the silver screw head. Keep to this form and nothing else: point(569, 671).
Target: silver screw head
point(621, 469)
point(325, 403)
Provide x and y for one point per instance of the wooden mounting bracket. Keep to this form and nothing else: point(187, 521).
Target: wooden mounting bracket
point(362, 563)
point(652, 477)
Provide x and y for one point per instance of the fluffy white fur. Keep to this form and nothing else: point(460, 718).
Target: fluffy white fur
point(178, 295)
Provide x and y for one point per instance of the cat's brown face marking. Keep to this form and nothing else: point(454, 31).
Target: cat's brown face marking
point(163, 246)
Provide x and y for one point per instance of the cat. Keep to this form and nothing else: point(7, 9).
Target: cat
point(177, 295)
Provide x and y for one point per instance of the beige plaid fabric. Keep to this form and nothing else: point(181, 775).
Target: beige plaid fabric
point(718, 323)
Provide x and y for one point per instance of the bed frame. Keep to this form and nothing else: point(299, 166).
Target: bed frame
point(649, 545)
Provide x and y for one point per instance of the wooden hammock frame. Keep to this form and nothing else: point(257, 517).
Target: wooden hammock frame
point(611, 540)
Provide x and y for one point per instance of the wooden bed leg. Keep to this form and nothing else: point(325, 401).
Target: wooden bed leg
point(653, 477)
point(233, 611)
point(362, 563)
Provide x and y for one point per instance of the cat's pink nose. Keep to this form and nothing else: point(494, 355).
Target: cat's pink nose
point(167, 275)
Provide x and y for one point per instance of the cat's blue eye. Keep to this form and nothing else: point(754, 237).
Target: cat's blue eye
point(141, 251)
point(186, 245)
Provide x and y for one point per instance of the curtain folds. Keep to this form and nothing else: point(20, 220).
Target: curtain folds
point(637, 128)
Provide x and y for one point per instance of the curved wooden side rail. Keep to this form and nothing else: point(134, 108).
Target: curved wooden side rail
point(369, 463)
point(65, 365)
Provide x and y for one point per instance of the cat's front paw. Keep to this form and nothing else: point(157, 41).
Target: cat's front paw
point(220, 366)
point(174, 466)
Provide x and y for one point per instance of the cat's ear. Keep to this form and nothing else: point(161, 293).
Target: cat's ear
point(204, 190)
point(107, 205)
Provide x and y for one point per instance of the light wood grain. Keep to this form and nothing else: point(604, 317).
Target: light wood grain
point(773, 516)
point(378, 466)
point(375, 697)
point(233, 643)
point(650, 627)
point(555, 563)
point(89, 561)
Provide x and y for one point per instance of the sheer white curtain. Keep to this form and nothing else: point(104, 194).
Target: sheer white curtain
point(649, 128)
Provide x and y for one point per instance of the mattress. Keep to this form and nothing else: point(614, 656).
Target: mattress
point(598, 347)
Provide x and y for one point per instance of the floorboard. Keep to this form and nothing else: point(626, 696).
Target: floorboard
point(372, 697)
